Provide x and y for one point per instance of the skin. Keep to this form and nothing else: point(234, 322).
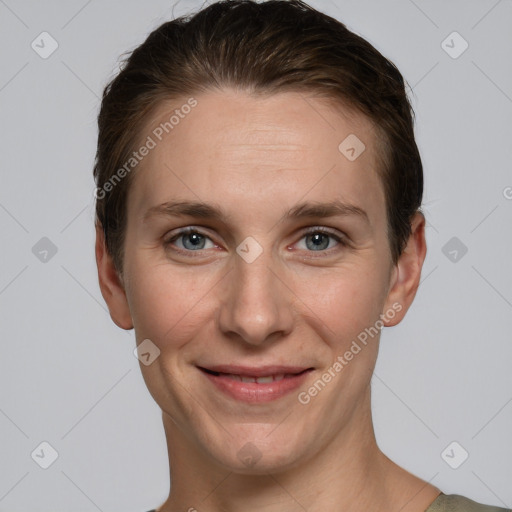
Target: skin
point(256, 158)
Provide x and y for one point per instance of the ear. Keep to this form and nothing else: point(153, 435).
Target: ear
point(406, 274)
point(111, 285)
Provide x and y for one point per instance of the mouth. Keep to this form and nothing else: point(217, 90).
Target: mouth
point(256, 384)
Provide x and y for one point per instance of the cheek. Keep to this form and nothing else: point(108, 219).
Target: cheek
point(167, 306)
point(346, 300)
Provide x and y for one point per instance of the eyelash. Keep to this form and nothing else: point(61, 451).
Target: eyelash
point(340, 239)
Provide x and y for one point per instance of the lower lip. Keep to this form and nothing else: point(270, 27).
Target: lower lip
point(254, 392)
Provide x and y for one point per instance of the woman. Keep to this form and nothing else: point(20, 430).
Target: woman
point(258, 224)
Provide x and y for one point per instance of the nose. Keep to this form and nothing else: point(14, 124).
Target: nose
point(257, 305)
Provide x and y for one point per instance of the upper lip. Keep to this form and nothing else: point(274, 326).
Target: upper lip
point(255, 371)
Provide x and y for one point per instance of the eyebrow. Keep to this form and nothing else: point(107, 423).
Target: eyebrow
point(303, 210)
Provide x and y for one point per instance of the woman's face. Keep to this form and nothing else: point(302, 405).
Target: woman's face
point(256, 246)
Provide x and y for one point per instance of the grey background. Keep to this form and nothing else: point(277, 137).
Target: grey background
point(68, 374)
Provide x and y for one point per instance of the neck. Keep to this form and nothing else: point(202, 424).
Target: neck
point(349, 473)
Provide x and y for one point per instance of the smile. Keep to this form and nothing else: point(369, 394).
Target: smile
point(255, 385)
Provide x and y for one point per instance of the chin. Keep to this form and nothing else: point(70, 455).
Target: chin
point(258, 450)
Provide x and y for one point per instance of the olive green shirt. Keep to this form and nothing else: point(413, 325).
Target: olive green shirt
point(456, 503)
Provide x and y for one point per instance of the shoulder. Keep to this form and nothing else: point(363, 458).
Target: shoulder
point(456, 503)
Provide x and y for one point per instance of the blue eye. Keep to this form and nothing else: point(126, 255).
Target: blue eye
point(316, 240)
point(320, 240)
point(191, 240)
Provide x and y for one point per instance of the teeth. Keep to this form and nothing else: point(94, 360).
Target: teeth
point(259, 380)
point(265, 380)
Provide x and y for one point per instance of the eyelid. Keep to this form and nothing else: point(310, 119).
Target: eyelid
point(341, 239)
point(169, 239)
point(322, 229)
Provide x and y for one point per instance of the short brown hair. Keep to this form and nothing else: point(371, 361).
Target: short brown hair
point(268, 47)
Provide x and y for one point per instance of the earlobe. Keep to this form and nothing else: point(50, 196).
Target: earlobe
point(111, 285)
point(406, 274)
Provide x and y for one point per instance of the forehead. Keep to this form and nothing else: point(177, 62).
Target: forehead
point(255, 152)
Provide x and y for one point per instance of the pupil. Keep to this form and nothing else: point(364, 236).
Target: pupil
point(195, 240)
point(320, 241)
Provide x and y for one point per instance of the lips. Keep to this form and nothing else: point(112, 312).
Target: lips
point(259, 380)
point(255, 384)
